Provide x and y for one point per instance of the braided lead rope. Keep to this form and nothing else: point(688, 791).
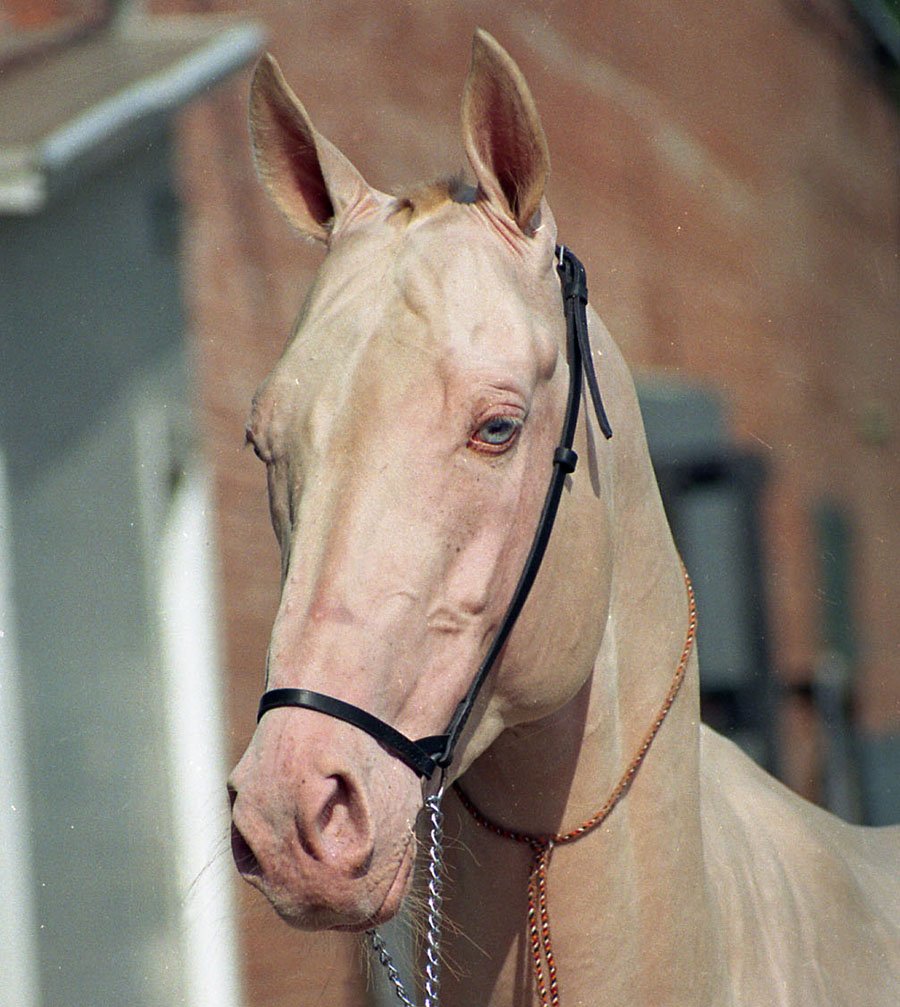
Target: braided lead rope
point(538, 910)
point(542, 846)
point(433, 920)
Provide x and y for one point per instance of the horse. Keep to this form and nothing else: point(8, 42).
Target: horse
point(408, 433)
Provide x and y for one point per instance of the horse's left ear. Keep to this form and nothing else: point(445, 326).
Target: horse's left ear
point(502, 133)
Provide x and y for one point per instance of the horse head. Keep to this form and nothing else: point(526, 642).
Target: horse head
point(408, 432)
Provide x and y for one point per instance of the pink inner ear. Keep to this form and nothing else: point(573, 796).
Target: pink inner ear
point(503, 134)
point(509, 154)
point(301, 163)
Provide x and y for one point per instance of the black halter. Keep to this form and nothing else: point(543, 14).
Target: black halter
point(427, 754)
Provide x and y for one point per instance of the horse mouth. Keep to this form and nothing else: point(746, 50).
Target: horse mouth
point(350, 910)
point(244, 857)
point(393, 898)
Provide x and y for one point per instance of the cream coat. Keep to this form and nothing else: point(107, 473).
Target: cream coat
point(403, 531)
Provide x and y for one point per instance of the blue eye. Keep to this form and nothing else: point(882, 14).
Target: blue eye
point(497, 432)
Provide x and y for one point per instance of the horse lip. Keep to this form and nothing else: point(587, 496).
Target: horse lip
point(321, 917)
point(392, 899)
point(244, 858)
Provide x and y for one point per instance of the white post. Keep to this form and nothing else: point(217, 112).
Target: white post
point(196, 746)
point(18, 936)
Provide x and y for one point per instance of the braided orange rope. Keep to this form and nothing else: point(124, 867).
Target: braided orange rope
point(542, 846)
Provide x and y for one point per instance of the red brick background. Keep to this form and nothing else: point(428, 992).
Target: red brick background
point(728, 173)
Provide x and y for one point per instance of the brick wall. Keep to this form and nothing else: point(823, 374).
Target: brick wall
point(728, 173)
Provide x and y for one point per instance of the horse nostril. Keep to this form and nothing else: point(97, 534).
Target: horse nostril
point(341, 830)
point(337, 802)
point(244, 857)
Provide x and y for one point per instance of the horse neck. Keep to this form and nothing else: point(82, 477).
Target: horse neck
point(635, 887)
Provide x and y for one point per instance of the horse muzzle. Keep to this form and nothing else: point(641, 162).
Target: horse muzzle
point(329, 845)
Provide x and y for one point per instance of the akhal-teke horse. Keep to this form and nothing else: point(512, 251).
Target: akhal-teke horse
point(437, 646)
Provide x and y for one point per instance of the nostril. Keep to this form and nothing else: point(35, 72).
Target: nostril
point(341, 831)
point(244, 857)
point(336, 803)
point(232, 794)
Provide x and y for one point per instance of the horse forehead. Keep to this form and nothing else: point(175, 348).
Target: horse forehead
point(453, 271)
point(445, 284)
point(441, 297)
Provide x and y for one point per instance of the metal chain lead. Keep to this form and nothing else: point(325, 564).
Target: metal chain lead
point(384, 956)
point(433, 922)
point(435, 900)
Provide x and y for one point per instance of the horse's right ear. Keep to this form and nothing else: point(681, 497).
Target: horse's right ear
point(309, 179)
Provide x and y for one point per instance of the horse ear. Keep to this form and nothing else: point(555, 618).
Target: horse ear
point(502, 133)
point(309, 179)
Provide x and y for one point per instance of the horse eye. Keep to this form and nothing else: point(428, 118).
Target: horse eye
point(497, 432)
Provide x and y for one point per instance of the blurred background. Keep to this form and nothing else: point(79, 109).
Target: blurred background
point(729, 175)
